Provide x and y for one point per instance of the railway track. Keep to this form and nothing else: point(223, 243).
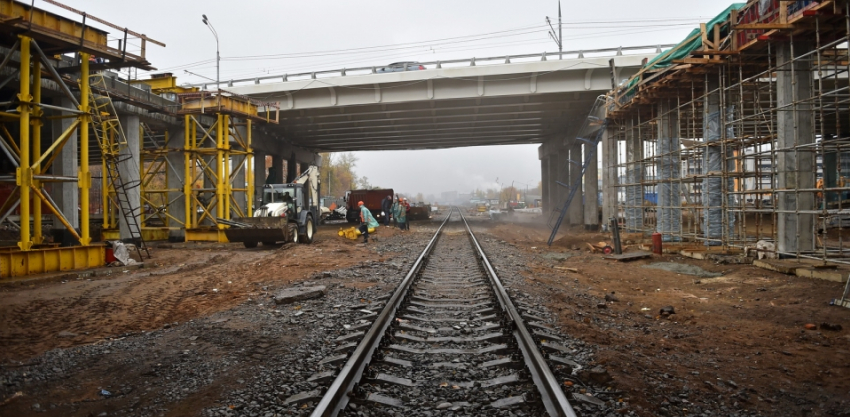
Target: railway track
point(448, 338)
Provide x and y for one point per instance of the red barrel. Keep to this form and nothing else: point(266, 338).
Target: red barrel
point(656, 243)
point(110, 256)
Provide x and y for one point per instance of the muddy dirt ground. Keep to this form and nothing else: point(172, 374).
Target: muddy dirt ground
point(140, 342)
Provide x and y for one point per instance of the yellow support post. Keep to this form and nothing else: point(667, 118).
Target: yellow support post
point(141, 176)
point(228, 184)
point(84, 180)
point(165, 200)
point(24, 173)
point(187, 173)
point(37, 233)
point(249, 172)
point(219, 188)
point(104, 194)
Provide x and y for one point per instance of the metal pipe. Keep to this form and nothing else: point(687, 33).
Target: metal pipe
point(84, 70)
point(8, 212)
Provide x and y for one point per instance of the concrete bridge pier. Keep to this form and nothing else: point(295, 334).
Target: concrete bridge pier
point(555, 171)
point(591, 191)
point(795, 166)
point(610, 177)
point(575, 212)
point(128, 169)
point(176, 181)
point(261, 171)
point(66, 194)
point(563, 178)
point(544, 181)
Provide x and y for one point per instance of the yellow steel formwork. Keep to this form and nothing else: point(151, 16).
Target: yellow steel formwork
point(61, 36)
point(215, 153)
point(18, 263)
point(164, 83)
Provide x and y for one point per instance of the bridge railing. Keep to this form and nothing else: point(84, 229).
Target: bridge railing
point(465, 62)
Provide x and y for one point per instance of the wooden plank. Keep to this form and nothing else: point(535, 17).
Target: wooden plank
point(762, 26)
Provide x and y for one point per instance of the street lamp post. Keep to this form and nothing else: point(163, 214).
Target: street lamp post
point(217, 56)
point(559, 39)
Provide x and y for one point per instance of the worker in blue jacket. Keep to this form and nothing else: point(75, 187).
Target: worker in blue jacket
point(367, 220)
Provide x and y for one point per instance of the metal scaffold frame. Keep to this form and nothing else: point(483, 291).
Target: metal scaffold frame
point(156, 170)
point(747, 141)
point(218, 162)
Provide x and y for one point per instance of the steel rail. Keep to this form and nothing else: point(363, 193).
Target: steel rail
point(550, 391)
point(337, 395)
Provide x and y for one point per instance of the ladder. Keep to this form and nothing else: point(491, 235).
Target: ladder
point(590, 134)
point(112, 141)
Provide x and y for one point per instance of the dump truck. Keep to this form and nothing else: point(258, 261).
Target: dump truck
point(370, 198)
point(288, 213)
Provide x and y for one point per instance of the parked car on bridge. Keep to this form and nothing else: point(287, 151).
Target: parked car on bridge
point(402, 66)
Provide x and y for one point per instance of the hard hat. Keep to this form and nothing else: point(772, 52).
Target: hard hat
point(359, 203)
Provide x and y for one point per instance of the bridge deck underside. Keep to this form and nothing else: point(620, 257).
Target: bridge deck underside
point(435, 124)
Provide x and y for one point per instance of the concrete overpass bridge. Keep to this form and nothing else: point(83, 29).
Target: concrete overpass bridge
point(529, 99)
point(472, 102)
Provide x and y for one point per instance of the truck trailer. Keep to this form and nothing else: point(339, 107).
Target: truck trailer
point(370, 198)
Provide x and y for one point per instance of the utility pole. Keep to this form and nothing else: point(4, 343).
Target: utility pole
point(217, 55)
point(559, 40)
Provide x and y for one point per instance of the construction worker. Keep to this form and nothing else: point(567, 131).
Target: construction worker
point(386, 208)
point(400, 213)
point(366, 221)
point(406, 215)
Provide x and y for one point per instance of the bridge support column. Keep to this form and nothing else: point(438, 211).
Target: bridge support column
point(591, 191)
point(275, 175)
point(259, 177)
point(563, 178)
point(176, 181)
point(129, 171)
point(66, 194)
point(795, 167)
point(609, 177)
point(575, 211)
point(551, 186)
point(544, 180)
point(634, 177)
point(291, 168)
point(669, 168)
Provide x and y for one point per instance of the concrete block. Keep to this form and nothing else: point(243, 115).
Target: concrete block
point(785, 267)
point(291, 295)
point(829, 274)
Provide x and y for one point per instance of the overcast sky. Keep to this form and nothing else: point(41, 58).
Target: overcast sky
point(277, 37)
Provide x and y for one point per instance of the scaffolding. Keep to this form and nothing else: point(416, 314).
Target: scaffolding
point(75, 48)
point(218, 160)
point(744, 137)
